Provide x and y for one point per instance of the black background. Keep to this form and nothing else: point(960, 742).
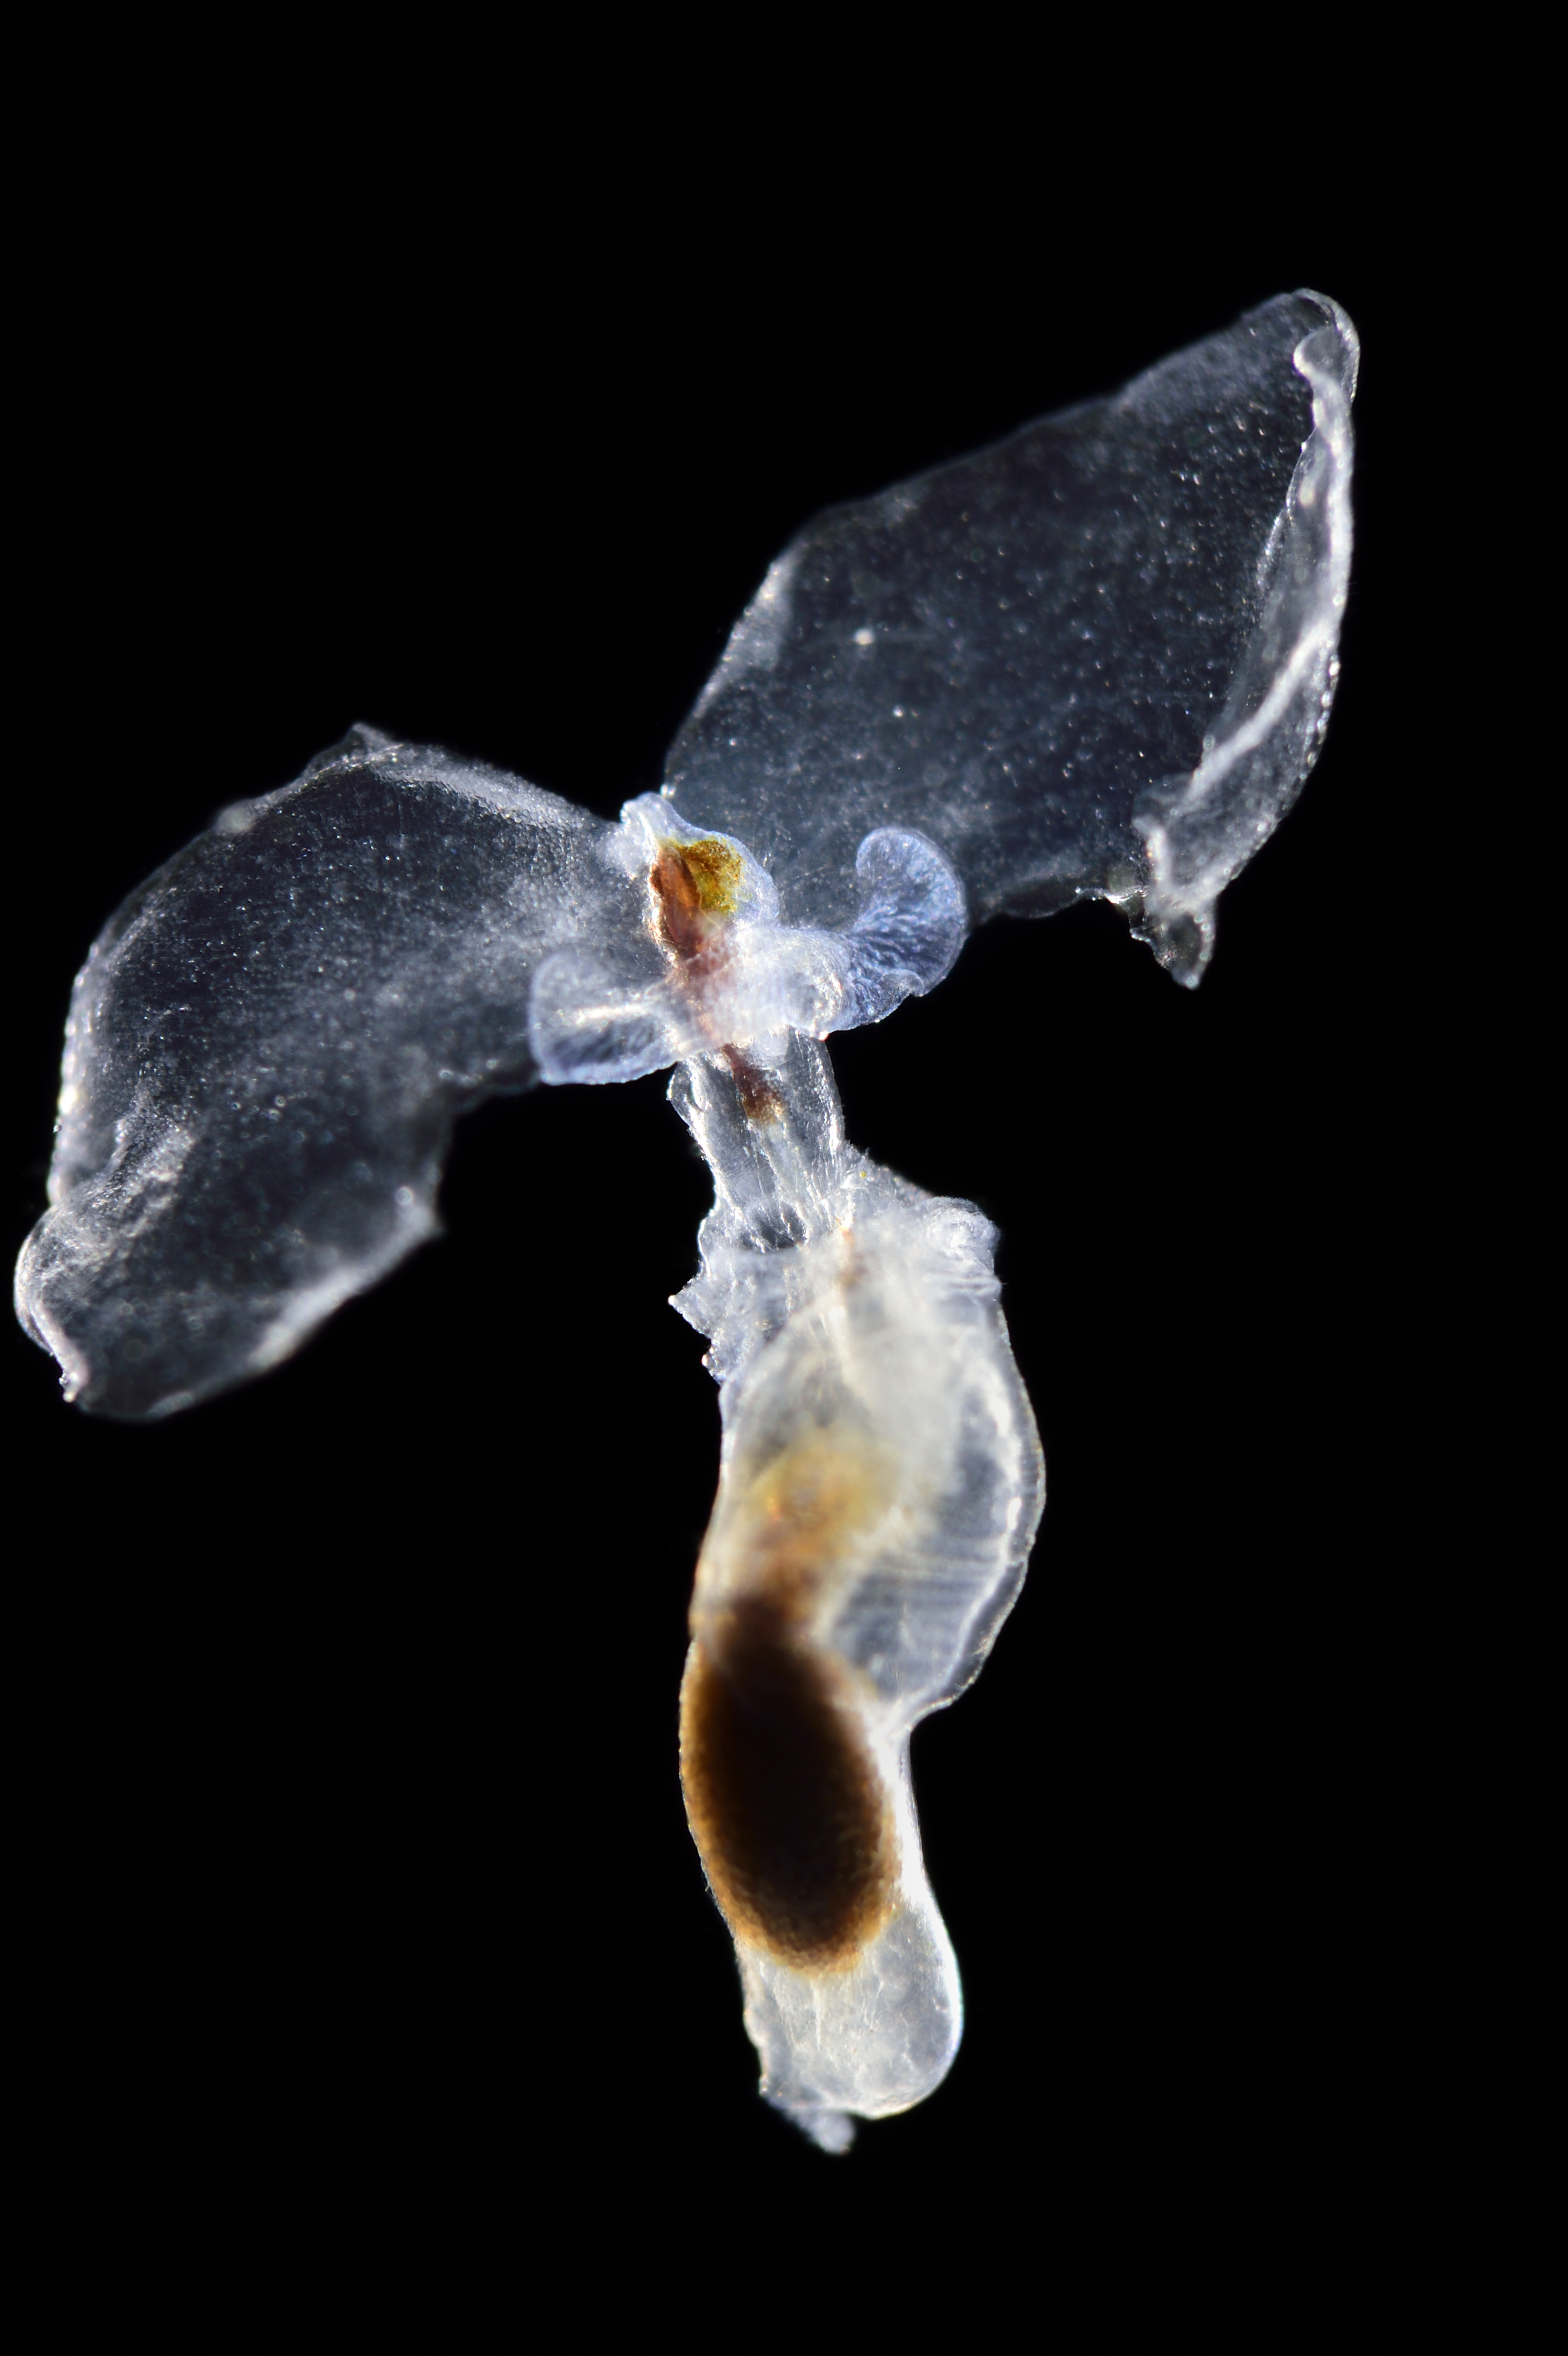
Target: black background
point(353, 1865)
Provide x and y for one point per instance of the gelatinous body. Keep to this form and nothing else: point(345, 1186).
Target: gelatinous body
point(881, 1479)
point(879, 1491)
point(733, 972)
point(1096, 659)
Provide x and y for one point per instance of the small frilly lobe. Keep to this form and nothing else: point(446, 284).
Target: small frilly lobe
point(881, 1478)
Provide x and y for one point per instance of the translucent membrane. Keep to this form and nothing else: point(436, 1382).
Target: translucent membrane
point(1095, 659)
point(267, 1048)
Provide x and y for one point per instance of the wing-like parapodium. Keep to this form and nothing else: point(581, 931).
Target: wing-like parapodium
point(1096, 658)
point(267, 1051)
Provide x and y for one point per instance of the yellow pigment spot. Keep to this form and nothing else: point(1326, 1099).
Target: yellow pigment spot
point(714, 870)
point(693, 883)
point(804, 1508)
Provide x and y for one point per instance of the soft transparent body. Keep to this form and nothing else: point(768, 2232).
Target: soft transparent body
point(879, 1492)
point(1096, 659)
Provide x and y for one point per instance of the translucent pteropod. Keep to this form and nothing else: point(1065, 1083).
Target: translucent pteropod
point(1095, 659)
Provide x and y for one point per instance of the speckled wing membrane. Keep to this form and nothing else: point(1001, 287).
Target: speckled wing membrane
point(267, 1051)
point(1093, 658)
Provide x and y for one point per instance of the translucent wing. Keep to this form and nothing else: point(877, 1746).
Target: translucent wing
point(267, 1051)
point(1094, 659)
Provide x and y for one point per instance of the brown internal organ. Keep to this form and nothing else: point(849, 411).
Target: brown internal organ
point(694, 883)
point(759, 1099)
point(783, 1795)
